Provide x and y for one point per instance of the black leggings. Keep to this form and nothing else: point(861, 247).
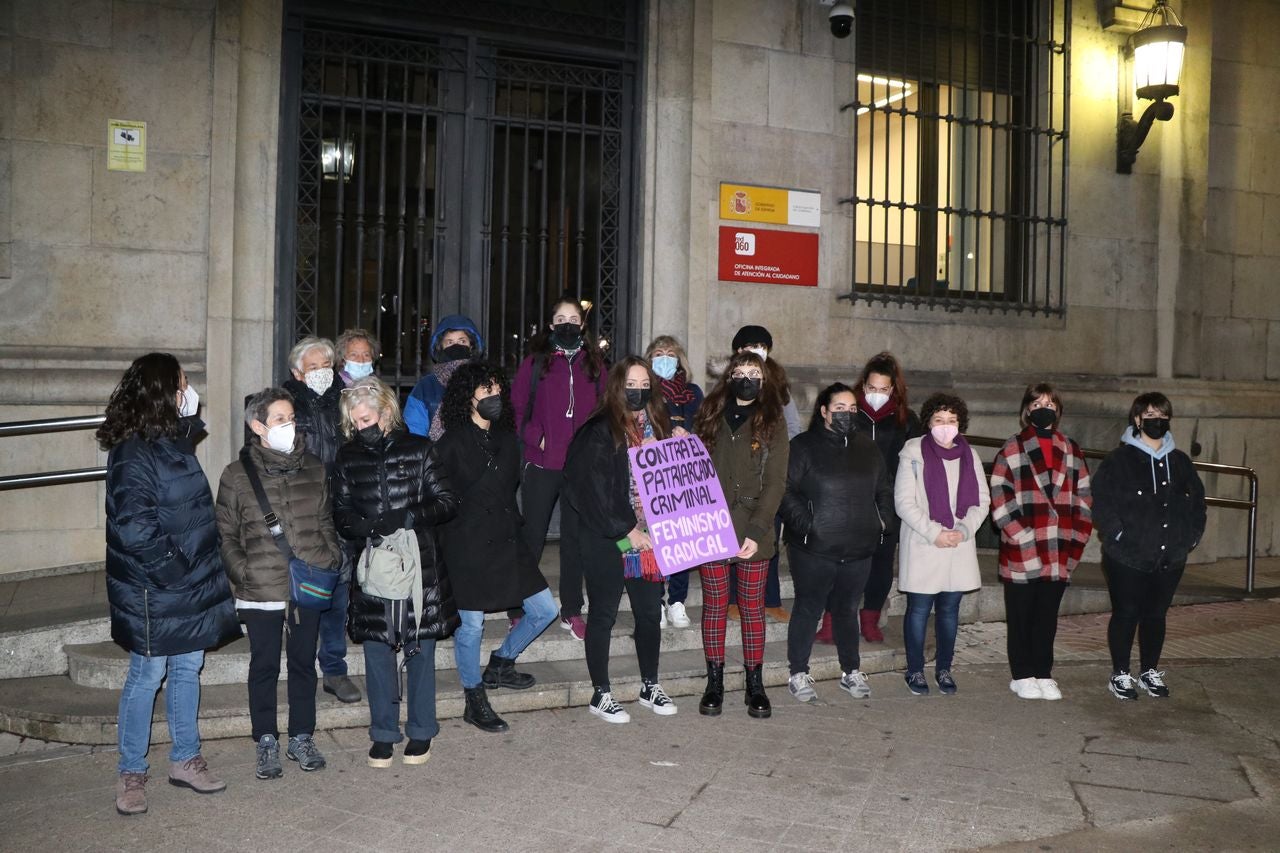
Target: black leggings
point(880, 581)
point(601, 565)
point(1139, 602)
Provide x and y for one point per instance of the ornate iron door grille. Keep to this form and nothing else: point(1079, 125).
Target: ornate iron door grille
point(448, 171)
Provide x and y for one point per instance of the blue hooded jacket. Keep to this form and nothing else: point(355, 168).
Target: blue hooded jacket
point(425, 397)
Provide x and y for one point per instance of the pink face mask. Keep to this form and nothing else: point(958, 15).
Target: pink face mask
point(945, 433)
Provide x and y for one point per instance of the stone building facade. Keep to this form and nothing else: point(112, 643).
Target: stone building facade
point(1166, 286)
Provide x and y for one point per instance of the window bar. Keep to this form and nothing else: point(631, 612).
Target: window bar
point(543, 200)
point(853, 260)
point(524, 222)
point(504, 233)
point(420, 224)
point(580, 232)
point(485, 283)
point(340, 215)
point(979, 226)
point(1031, 28)
point(562, 198)
point(380, 220)
point(400, 222)
point(1065, 141)
point(972, 89)
point(361, 163)
point(1047, 136)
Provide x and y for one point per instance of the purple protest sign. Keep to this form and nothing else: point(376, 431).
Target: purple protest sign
point(688, 517)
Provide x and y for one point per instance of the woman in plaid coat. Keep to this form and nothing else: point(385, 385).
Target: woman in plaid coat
point(1040, 502)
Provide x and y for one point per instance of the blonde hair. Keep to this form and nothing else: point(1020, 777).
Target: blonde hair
point(377, 395)
point(668, 342)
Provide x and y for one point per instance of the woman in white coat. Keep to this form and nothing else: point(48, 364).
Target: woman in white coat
point(942, 497)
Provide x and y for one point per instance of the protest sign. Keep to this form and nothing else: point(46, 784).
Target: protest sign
point(688, 517)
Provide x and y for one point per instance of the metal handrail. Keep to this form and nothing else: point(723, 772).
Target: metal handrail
point(51, 478)
point(1251, 505)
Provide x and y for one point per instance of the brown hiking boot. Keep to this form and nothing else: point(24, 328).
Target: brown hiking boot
point(131, 794)
point(194, 774)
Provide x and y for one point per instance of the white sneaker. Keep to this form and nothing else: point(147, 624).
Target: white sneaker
point(1027, 688)
point(604, 707)
point(662, 615)
point(652, 696)
point(1049, 689)
point(679, 617)
point(801, 687)
point(856, 684)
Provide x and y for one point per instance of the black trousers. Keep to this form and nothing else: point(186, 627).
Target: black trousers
point(266, 637)
point(1031, 617)
point(601, 564)
point(823, 584)
point(1139, 602)
point(539, 491)
point(880, 582)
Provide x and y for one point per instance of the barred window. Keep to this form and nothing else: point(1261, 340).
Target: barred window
point(960, 153)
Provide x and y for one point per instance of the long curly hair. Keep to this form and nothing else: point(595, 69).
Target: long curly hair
point(144, 403)
point(613, 403)
point(765, 417)
point(455, 407)
point(541, 347)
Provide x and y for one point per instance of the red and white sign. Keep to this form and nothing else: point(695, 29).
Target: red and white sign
point(768, 257)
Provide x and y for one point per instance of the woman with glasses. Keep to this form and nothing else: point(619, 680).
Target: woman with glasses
point(742, 426)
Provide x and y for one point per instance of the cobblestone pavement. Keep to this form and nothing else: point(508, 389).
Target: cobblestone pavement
point(895, 772)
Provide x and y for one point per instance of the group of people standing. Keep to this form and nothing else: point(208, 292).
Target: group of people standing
point(335, 477)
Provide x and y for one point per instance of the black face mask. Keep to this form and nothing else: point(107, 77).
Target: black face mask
point(370, 435)
point(455, 352)
point(1042, 419)
point(842, 423)
point(638, 398)
point(745, 389)
point(490, 408)
point(566, 335)
point(1155, 428)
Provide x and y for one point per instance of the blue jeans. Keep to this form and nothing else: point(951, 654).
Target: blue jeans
point(332, 652)
point(138, 701)
point(381, 675)
point(539, 612)
point(678, 586)
point(916, 622)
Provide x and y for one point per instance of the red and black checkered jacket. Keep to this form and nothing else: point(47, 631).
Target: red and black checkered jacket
point(1041, 507)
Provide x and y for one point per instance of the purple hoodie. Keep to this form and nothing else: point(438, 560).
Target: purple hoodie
point(563, 402)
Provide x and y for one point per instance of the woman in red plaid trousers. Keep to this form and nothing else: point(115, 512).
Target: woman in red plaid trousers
point(742, 425)
point(1040, 502)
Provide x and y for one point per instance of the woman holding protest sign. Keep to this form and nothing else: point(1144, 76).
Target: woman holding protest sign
point(742, 426)
point(611, 539)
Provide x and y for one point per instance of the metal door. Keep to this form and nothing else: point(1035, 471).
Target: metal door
point(436, 168)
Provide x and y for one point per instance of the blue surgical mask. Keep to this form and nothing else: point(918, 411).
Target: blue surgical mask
point(665, 365)
point(358, 369)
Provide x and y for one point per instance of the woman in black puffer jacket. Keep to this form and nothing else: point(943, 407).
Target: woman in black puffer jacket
point(385, 479)
point(837, 509)
point(169, 597)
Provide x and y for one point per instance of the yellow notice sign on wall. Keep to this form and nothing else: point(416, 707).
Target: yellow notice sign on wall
point(126, 146)
point(750, 203)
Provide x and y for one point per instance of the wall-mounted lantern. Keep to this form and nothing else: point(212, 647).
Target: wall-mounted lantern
point(337, 162)
point(1154, 55)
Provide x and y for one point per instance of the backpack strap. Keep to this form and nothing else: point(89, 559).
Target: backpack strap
point(268, 517)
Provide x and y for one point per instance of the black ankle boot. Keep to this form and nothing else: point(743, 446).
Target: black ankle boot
point(480, 713)
point(501, 672)
point(713, 697)
point(755, 698)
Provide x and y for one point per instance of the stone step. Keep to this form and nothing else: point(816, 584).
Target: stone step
point(104, 664)
point(54, 708)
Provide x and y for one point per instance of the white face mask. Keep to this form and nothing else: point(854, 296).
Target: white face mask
point(188, 402)
point(281, 437)
point(876, 400)
point(358, 369)
point(760, 351)
point(945, 433)
point(320, 379)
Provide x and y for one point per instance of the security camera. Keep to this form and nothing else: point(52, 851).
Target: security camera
point(841, 16)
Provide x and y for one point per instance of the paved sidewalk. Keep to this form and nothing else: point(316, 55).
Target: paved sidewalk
point(895, 772)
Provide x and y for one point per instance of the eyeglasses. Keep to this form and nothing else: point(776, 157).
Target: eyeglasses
point(754, 374)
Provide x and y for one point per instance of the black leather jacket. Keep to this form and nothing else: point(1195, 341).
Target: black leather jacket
point(375, 489)
point(317, 417)
point(597, 481)
point(839, 498)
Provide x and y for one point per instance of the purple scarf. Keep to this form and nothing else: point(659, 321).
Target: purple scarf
point(935, 479)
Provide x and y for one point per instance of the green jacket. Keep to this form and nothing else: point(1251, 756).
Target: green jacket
point(753, 482)
point(298, 492)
